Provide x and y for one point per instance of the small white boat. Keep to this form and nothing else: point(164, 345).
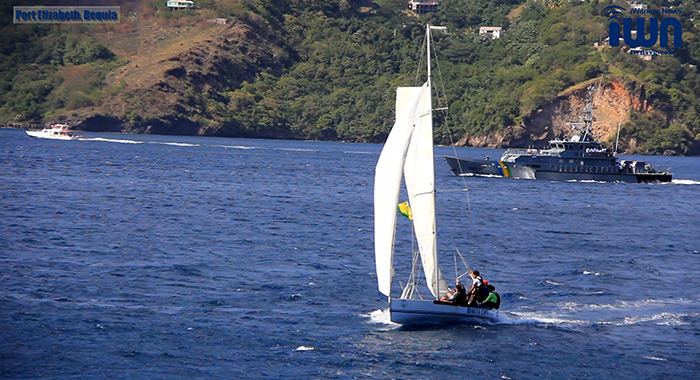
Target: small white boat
point(56, 132)
point(408, 153)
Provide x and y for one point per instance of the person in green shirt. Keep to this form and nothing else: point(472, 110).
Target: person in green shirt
point(493, 300)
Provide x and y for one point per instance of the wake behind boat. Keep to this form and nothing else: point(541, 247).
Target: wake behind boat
point(408, 152)
point(56, 132)
point(579, 157)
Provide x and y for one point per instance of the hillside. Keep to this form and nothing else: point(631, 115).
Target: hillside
point(326, 70)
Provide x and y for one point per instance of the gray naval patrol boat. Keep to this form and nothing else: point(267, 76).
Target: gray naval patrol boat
point(579, 158)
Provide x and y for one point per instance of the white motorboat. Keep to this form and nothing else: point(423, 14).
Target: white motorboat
point(56, 132)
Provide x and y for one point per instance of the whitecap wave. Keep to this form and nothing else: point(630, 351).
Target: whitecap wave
point(380, 316)
point(655, 358)
point(622, 313)
point(480, 175)
point(349, 152)
point(297, 149)
point(624, 305)
point(533, 318)
point(661, 319)
point(685, 182)
point(173, 143)
point(585, 181)
point(114, 140)
point(236, 147)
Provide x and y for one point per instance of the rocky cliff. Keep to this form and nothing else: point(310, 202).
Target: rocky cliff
point(612, 103)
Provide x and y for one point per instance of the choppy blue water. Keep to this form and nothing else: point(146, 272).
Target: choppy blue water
point(130, 257)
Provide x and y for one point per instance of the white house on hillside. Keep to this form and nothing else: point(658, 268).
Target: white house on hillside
point(636, 5)
point(420, 6)
point(491, 31)
point(180, 4)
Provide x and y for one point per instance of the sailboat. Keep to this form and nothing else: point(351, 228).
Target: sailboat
point(408, 153)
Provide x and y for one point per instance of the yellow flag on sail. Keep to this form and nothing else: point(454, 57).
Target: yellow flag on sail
point(405, 210)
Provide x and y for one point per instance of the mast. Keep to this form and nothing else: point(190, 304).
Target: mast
point(430, 107)
point(427, 38)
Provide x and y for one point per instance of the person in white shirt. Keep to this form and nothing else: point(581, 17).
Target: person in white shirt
point(477, 284)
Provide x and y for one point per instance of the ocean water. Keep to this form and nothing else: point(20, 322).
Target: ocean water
point(160, 257)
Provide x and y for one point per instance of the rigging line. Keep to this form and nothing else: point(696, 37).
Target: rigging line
point(446, 121)
point(452, 143)
point(449, 190)
point(423, 193)
point(407, 291)
point(414, 279)
point(420, 63)
point(419, 266)
point(442, 82)
point(454, 255)
point(463, 262)
point(414, 238)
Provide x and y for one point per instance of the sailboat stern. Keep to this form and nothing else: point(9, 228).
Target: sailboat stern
point(426, 312)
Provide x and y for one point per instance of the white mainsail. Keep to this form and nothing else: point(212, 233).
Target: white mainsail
point(408, 150)
point(419, 174)
point(387, 180)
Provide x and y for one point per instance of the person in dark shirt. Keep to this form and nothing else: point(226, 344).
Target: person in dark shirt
point(457, 297)
point(460, 295)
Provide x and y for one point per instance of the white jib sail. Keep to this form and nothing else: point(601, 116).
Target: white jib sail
point(387, 182)
point(419, 174)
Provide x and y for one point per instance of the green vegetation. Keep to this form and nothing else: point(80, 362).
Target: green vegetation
point(343, 59)
point(44, 70)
